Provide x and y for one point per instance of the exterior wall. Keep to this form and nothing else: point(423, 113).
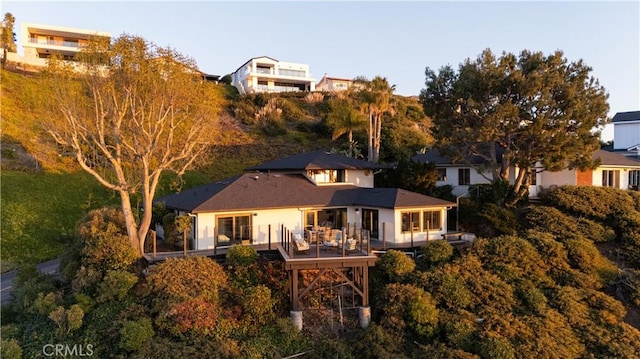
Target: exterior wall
point(360, 178)
point(623, 173)
point(330, 84)
point(388, 217)
point(452, 179)
point(39, 39)
point(559, 178)
point(626, 134)
point(420, 235)
point(584, 178)
point(291, 218)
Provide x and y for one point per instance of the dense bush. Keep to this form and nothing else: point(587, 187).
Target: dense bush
point(600, 203)
point(435, 252)
point(407, 307)
point(396, 265)
point(135, 334)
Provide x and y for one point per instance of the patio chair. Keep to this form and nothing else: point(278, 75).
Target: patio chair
point(301, 245)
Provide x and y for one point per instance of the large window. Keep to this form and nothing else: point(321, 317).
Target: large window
point(431, 221)
point(611, 178)
point(442, 174)
point(410, 220)
point(327, 176)
point(634, 179)
point(234, 227)
point(464, 176)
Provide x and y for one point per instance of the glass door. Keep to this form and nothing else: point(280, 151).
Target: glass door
point(370, 221)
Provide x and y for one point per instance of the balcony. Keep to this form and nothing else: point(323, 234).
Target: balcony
point(33, 40)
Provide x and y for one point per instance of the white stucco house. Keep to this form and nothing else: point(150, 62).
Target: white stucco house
point(304, 191)
point(615, 170)
point(266, 74)
point(333, 84)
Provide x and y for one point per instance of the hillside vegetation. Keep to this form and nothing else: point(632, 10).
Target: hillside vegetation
point(543, 292)
point(44, 193)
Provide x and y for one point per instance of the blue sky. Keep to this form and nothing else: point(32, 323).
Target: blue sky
point(396, 40)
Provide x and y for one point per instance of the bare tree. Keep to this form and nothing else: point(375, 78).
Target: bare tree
point(130, 111)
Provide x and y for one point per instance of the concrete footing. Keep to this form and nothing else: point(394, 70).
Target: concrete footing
point(296, 319)
point(364, 314)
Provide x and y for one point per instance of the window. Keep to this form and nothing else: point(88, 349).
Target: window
point(432, 221)
point(533, 177)
point(611, 178)
point(442, 174)
point(235, 227)
point(464, 176)
point(634, 179)
point(410, 220)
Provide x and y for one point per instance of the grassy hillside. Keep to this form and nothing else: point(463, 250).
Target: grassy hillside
point(44, 193)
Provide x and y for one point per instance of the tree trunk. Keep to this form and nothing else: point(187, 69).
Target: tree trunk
point(130, 221)
point(519, 188)
point(351, 149)
point(370, 138)
point(145, 221)
point(376, 145)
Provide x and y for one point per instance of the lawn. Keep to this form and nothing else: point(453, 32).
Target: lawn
point(39, 211)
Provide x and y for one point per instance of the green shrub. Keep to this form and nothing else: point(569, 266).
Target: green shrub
point(10, 349)
point(115, 285)
point(436, 252)
point(598, 203)
point(396, 265)
point(135, 334)
point(104, 240)
point(595, 231)
point(497, 347)
point(241, 256)
point(587, 258)
point(408, 307)
point(552, 220)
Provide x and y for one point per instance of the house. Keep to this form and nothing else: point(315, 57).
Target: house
point(614, 170)
point(333, 84)
point(626, 132)
point(40, 42)
point(302, 192)
point(266, 74)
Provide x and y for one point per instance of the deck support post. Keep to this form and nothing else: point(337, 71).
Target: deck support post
point(364, 314)
point(296, 319)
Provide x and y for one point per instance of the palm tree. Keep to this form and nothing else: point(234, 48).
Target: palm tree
point(344, 118)
point(375, 97)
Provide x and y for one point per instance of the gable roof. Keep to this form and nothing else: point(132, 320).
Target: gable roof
point(434, 156)
point(271, 191)
point(253, 58)
point(317, 160)
point(613, 159)
point(626, 116)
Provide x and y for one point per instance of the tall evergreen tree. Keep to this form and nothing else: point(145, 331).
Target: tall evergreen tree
point(7, 37)
point(517, 111)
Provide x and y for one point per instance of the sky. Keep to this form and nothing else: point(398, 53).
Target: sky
point(396, 40)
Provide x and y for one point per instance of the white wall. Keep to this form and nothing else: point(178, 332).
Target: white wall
point(405, 237)
point(559, 178)
point(359, 178)
point(626, 135)
point(452, 179)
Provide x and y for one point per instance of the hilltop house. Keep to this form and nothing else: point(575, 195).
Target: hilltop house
point(265, 74)
point(333, 84)
point(40, 42)
point(304, 191)
point(614, 171)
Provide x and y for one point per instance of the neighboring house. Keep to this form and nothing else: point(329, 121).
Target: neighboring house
point(265, 74)
point(304, 191)
point(614, 170)
point(333, 84)
point(40, 42)
point(626, 133)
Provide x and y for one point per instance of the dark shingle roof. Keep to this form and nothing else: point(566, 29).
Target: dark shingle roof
point(264, 191)
point(317, 160)
point(434, 156)
point(626, 116)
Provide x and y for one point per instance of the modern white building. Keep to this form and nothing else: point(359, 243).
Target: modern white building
point(265, 74)
point(40, 42)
